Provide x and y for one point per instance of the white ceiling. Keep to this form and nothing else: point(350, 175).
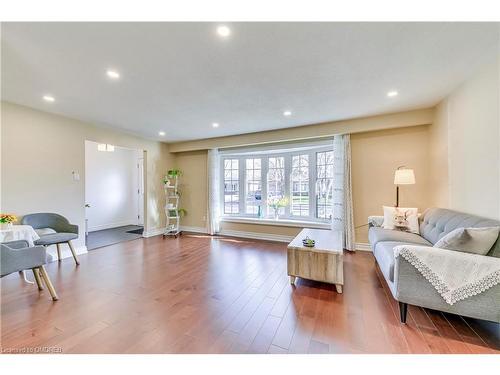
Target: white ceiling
point(181, 77)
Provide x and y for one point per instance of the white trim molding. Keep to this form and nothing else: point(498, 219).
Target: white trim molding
point(183, 228)
point(256, 236)
point(112, 225)
point(187, 228)
point(362, 246)
point(153, 232)
point(278, 223)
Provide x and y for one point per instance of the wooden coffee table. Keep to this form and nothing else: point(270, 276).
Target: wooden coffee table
point(323, 262)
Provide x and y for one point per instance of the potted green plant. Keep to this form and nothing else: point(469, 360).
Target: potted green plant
point(172, 212)
point(173, 173)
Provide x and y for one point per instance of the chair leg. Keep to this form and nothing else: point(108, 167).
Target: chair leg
point(58, 251)
point(50, 287)
point(37, 278)
point(73, 252)
point(403, 310)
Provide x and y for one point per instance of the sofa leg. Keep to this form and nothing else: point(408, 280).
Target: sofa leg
point(403, 310)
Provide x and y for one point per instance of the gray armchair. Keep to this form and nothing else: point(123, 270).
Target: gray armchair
point(17, 256)
point(53, 229)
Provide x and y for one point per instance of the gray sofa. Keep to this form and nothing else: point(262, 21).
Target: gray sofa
point(408, 286)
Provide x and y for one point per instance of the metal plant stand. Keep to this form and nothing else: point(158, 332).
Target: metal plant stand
point(172, 207)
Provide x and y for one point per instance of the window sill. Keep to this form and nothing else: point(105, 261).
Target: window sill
point(280, 222)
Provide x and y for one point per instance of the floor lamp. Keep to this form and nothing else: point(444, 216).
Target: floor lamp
point(403, 176)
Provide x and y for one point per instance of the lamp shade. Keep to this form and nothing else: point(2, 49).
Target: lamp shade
point(404, 176)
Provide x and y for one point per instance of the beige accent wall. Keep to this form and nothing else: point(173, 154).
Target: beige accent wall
point(260, 228)
point(438, 157)
point(41, 150)
point(380, 122)
point(193, 187)
point(466, 134)
point(375, 156)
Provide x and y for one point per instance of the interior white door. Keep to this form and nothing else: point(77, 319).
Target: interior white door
point(140, 191)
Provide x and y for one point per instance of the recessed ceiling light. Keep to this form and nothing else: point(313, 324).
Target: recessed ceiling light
point(215, 124)
point(49, 98)
point(113, 74)
point(287, 113)
point(223, 31)
point(393, 93)
point(161, 133)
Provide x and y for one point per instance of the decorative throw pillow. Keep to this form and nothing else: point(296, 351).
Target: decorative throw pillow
point(400, 218)
point(470, 240)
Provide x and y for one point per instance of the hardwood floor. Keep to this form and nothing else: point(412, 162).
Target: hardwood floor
point(197, 294)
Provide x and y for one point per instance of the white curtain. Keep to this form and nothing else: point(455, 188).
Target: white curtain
point(213, 168)
point(342, 190)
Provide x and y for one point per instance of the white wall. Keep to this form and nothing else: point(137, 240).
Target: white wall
point(41, 150)
point(467, 124)
point(111, 187)
point(473, 145)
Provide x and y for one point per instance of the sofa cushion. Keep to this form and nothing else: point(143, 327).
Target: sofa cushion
point(384, 253)
point(52, 239)
point(376, 235)
point(438, 222)
point(470, 240)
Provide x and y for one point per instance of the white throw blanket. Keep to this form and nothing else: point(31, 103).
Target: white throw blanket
point(455, 275)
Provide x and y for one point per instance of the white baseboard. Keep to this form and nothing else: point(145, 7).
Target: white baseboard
point(256, 236)
point(153, 232)
point(112, 225)
point(65, 251)
point(362, 246)
point(186, 228)
point(242, 234)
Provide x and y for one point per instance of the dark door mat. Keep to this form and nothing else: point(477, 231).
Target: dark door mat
point(136, 231)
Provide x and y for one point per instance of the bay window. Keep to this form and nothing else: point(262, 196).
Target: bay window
point(300, 185)
point(276, 182)
point(299, 177)
point(231, 186)
point(253, 185)
point(324, 181)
